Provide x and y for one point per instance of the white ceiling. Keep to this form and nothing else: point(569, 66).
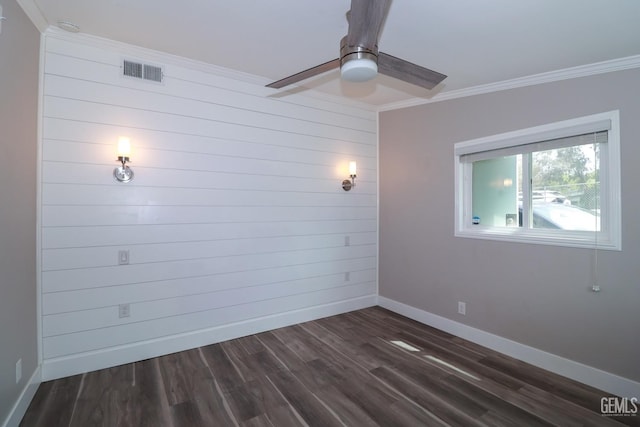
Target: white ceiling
point(474, 42)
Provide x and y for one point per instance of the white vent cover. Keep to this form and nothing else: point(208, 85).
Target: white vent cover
point(142, 71)
point(152, 73)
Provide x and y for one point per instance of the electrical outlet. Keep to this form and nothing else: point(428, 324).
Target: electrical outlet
point(347, 241)
point(347, 276)
point(462, 308)
point(18, 370)
point(123, 257)
point(124, 310)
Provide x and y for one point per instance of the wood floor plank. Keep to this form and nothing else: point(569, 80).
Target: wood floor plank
point(314, 348)
point(346, 410)
point(264, 362)
point(224, 371)
point(187, 414)
point(318, 374)
point(498, 411)
point(343, 327)
point(390, 355)
point(360, 392)
point(350, 349)
point(545, 406)
point(436, 354)
point(53, 403)
point(455, 413)
point(306, 404)
point(426, 341)
point(105, 398)
point(284, 415)
point(191, 389)
point(560, 411)
point(251, 399)
point(499, 420)
point(179, 373)
point(212, 405)
point(340, 370)
point(289, 337)
point(149, 397)
point(323, 334)
point(259, 421)
point(251, 344)
point(581, 394)
point(406, 413)
point(238, 355)
point(280, 351)
point(373, 397)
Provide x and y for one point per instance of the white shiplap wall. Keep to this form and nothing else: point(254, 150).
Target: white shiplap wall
point(235, 222)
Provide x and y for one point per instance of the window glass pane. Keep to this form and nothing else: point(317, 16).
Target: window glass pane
point(495, 192)
point(555, 184)
point(565, 192)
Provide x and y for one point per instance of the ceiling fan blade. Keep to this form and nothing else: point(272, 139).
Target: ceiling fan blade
point(409, 72)
point(302, 75)
point(365, 22)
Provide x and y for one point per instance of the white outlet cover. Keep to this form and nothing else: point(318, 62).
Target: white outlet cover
point(462, 308)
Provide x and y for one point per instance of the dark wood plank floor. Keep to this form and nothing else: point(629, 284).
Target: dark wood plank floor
point(342, 370)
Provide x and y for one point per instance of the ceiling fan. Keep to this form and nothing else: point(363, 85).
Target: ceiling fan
point(360, 59)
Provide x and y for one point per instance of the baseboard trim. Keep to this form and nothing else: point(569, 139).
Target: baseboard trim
point(585, 374)
point(106, 358)
point(22, 404)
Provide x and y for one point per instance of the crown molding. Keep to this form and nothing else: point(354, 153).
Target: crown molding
point(603, 67)
point(34, 13)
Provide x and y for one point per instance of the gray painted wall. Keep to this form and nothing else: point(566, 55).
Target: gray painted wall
point(19, 51)
point(533, 294)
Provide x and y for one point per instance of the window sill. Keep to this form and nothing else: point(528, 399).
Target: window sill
point(572, 239)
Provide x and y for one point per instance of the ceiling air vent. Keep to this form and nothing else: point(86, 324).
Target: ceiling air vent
point(142, 71)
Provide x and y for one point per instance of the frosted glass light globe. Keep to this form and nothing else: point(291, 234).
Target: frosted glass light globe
point(359, 70)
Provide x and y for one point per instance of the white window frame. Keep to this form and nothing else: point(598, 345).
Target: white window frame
point(610, 235)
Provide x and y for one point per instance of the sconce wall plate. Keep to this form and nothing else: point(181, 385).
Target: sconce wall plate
point(123, 173)
point(347, 185)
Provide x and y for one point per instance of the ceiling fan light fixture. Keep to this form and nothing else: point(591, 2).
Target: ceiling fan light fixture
point(359, 69)
point(360, 59)
point(357, 63)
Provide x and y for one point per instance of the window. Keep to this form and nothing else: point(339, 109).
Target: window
point(556, 184)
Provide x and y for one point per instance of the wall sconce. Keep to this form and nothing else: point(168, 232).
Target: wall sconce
point(123, 173)
point(348, 184)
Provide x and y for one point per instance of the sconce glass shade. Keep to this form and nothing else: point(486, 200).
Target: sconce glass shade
point(124, 147)
point(352, 168)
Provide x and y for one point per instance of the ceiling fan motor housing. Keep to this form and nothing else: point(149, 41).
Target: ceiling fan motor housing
point(358, 64)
